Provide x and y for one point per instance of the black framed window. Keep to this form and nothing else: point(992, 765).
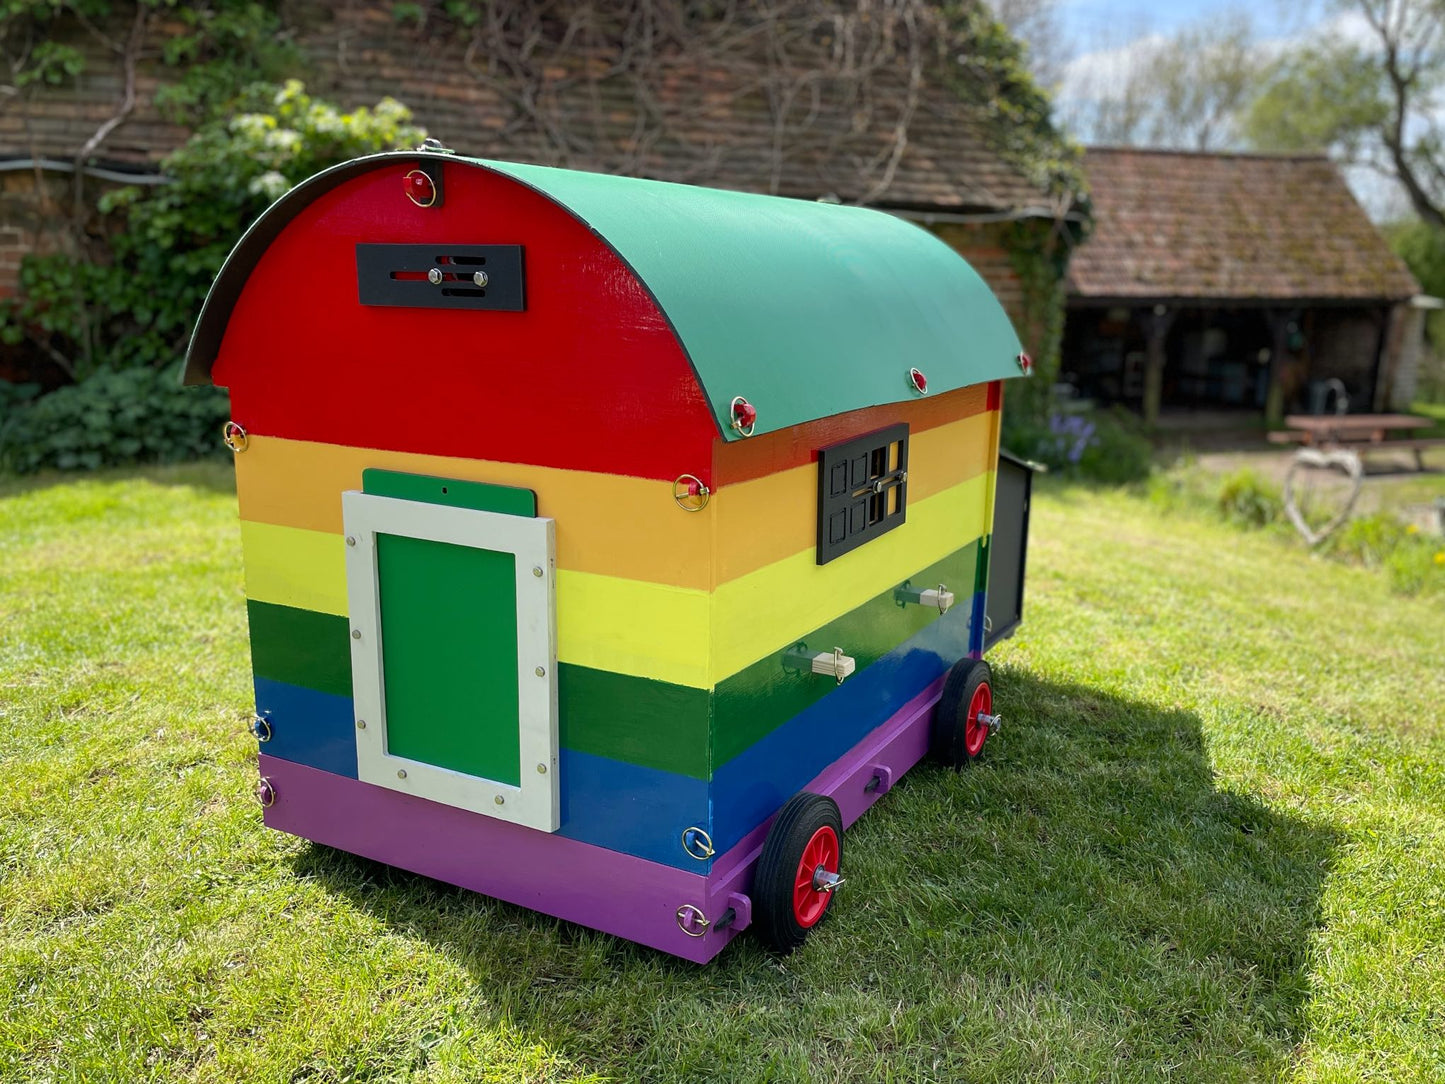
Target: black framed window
point(862, 490)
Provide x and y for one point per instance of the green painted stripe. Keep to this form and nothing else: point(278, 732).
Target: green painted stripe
point(644, 722)
point(479, 496)
point(639, 720)
point(300, 647)
point(752, 703)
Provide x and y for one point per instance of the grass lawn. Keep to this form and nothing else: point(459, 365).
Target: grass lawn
point(1209, 844)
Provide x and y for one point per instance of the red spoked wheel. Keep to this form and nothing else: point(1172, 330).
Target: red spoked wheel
point(798, 870)
point(964, 718)
point(975, 733)
point(810, 892)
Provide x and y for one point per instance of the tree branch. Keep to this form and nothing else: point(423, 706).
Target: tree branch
point(127, 106)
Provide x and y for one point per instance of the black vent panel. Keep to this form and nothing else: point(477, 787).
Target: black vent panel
point(441, 276)
point(862, 490)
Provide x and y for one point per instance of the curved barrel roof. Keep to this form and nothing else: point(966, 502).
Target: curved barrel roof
point(806, 309)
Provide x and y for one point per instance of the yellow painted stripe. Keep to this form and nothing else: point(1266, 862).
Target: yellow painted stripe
point(765, 610)
point(628, 627)
point(768, 519)
point(294, 567)
point(625, 626)
point(608, 524)
point(678, 635)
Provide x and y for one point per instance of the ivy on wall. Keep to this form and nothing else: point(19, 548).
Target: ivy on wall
point(137, 306)
point(205, 52)
point(991, 71)
point(1038, 252)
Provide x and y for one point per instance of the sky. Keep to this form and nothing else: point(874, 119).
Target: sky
point(1095, 21)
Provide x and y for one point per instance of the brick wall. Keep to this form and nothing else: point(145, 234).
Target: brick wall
point(983, 246)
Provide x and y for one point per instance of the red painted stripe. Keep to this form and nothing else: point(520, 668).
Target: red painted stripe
point(995, 395)
point(589, 377)
point(740, 460)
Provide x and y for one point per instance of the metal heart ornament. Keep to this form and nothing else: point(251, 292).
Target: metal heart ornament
point(1313, 458)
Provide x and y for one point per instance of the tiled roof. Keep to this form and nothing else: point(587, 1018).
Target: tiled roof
point(1171, 224)
point(690, 123)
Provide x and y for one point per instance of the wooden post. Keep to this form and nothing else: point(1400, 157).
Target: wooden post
point(1279, 321)
point(1156, 323)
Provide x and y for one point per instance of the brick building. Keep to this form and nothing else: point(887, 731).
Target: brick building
point(721, 110)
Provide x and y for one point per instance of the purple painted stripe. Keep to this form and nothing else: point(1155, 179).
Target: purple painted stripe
point(592, 886)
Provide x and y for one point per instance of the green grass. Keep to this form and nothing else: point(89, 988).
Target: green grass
point(1209, 845)
point(1430, 410)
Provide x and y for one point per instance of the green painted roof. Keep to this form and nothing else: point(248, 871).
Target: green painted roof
point(804, 309)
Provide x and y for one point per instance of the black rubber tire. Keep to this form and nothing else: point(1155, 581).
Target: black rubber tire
point(948, 744)
point(772, 895)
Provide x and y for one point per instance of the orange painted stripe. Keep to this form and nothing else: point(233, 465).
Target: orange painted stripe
point(611, 525)
point(739, 460)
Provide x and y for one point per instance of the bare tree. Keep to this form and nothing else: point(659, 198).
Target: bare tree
point(1035, 23)
point(1374, 98)
point(1187, 90)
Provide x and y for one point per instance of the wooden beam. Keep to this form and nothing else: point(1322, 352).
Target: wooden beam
point(1156, 323)
point(1279, 321)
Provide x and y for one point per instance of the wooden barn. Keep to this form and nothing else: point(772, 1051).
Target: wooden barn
point(1235, 284)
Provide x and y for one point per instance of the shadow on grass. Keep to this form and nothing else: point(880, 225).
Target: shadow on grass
point(1087, 903)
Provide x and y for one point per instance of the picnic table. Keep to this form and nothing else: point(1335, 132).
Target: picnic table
point(1358, 432)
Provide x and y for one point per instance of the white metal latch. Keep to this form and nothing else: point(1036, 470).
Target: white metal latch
point(939, 596)
point(833, 663)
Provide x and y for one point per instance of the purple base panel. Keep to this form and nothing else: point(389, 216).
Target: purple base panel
point(606, 890)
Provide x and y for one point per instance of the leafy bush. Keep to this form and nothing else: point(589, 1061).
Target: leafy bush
point(138, 306)
point(13, 399)
point(1246, 499)
point(136, 309)
point(1413, 559)
point(1369, 540)
point(1417, 565)
point(1096, 446)
point(112, 417)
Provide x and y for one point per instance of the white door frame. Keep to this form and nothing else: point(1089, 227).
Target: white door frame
point(532, 541)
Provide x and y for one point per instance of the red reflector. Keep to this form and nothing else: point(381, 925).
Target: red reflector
point(419, 188)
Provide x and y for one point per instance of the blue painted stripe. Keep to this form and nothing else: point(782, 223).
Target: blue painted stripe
point(626, 807)
point(980, 606)
point(308, 727)
point(754, 784)
point(609, 803)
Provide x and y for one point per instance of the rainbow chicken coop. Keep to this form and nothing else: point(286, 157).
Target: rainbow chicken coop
point(610, 545)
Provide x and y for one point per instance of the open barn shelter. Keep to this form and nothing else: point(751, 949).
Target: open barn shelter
point(588, 520)
point(1244, 285)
